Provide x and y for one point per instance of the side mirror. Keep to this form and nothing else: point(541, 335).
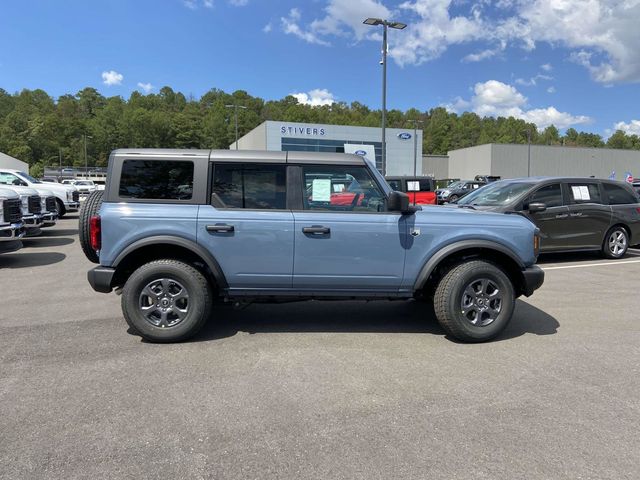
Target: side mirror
point(19, 183)
point(398, 202)
point(537, 207)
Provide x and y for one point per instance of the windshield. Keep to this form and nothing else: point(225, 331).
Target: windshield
point(29, 177)
point(455, 185)
point(84, 183)
point(493, 194)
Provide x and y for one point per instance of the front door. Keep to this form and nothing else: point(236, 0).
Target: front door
point(553, 221)
point(248, 228)
point(346, 240)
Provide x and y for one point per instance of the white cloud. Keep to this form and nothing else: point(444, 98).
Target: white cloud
point(195, 4)
point(267, 28)
point(551, 89)
point(631, 128)
point(146, 87)
point(112, 78)
point(290, 27)
point(533, 81)
point(238, 3)
point(600, 34)
point(315, 98)
point(479, 56)
point(497, 99)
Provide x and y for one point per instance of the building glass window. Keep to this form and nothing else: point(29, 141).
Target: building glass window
point(289, 144)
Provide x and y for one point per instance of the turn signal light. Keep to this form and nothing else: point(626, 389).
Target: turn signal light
point(95, 233)
point(536, 244)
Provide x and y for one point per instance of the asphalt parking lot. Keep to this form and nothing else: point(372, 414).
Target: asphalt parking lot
point(347, 390)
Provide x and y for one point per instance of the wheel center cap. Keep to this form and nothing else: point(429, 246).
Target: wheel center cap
point(164, 302)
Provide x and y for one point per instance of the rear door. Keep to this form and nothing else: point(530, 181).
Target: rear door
point(588, 219)
point(551, 222)
point(356, 246)
point(247, 227)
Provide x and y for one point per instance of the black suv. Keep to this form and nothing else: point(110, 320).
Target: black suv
point(573, 214)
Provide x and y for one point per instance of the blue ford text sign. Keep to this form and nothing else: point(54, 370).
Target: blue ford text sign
point(404, 136)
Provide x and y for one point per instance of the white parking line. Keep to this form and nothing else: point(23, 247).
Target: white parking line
point(602, 264)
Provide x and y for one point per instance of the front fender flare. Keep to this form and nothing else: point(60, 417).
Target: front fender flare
point(431, 264)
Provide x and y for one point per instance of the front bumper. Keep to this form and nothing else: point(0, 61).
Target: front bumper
point(11, 232)
point(533, 278)
point(100, 279)
point(71, 206)
point(49, 219)
point(32, 221)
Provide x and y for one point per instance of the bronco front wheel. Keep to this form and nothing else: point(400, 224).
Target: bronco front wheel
point(166, 301)
point(474, 301)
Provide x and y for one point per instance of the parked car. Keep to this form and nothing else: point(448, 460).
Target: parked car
point(421, 190)
point(67, 196)
point(573, 214)
point(85, 186)
point(11, 226)
point(251, 232)
point(487, 178)
point(49, 179)
point(31, 208)
point(457, 190)
point(636, 186)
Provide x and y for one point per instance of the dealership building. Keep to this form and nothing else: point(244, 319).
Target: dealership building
point(365, 141)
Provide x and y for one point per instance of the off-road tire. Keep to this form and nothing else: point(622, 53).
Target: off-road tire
point(90, 207)
point(199, 306)
point(448, 299)
point(608, 249)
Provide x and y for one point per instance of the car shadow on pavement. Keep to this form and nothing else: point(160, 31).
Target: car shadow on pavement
point(42, 242)
point(356, 317)
point(59, 233)
point(30, 259)
point(568, 257)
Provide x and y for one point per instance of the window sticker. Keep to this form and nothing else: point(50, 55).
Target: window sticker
point(321, 190)
point(581, 192)
point(413, 186)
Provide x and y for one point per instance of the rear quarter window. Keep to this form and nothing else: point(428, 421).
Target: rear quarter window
point(618, 195)
point(156, 180)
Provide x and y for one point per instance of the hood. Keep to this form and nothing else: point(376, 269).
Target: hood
point(58, 187)
point(8, 194)
point(456, 216)
point(44, 192)
point(22, 190)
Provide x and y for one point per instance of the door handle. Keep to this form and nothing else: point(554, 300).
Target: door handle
point(316, 230)
point(220, 228)
point(562, 215)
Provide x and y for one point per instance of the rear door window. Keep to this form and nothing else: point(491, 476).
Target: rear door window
point(251, 186)
point(584, 193)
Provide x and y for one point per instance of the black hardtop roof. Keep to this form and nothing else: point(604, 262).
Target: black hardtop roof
point(253, 156)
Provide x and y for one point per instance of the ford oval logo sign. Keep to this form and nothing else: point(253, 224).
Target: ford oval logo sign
point(362, 153)
point(404, 136)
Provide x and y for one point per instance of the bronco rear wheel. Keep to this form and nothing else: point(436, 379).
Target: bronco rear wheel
point(166, 301)
point(474, 301)
point(90, 208)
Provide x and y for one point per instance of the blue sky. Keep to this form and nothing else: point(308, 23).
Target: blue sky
point(567, 62)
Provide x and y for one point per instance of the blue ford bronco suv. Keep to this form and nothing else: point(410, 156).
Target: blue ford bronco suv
point(178, 232)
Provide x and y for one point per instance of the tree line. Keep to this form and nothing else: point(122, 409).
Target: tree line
point(43, 131)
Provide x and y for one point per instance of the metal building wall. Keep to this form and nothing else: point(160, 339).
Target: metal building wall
point(436, 166)
point(510, 161)
point(466, 163)
point(256, 139)
point(7, 161)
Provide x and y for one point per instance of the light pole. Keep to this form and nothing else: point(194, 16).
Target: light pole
point(529, 153)
point(385, 27)
point(415, 144)
point(86, 167)
point(235, 109)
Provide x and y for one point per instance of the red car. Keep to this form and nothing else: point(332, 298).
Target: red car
point(421, 190)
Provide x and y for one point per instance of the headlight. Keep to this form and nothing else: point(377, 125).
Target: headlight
point(43, 203)
point(445, 193)
point(25, 201)
point(69, 195)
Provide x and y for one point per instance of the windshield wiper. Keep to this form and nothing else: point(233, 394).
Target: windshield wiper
point(466, 205)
